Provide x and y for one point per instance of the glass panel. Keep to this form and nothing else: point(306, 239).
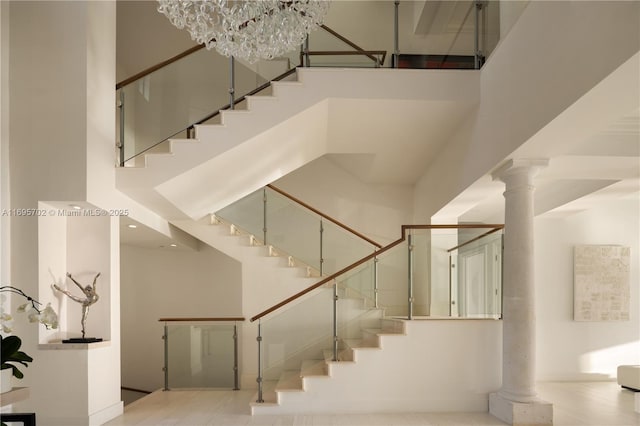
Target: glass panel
point(293, 229)
point(350, 59)
point(490, 35)
point(299, 332)
point(444, 285)
point(328, 50)
point(449, 265)
point(247, 214)
point(477, 269)
point(304, 331)
point(393, 281)
point(356, 313)
point(376, 35)
point(201, 356)
point(438, 242)
point(359, 282)
point(341, 248)
point(164, 103)
point(422, 266)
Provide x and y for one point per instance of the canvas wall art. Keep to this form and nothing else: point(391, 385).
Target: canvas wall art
point(601, 283)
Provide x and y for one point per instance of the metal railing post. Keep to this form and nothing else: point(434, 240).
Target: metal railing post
point(321, 247)
point(301, 55)
point(236, 384)
point(232, 88)
point(451, 268)
point(396, 43)
point(264, 216)
point(165, 337)
point(477, 52)
point(410, 291)
point(335, 320)
point(306, 52)
point(121, 142)
point(375, 281)
point(259, 379)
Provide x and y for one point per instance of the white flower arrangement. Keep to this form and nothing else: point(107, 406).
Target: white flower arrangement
point(11, 355)
point(47, 316)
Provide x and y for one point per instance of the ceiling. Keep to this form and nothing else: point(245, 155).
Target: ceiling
point(595, 168)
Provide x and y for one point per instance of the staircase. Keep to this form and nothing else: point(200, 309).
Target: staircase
point(403, 366)
point(277, 134)
point(297, 122)
point(269, 275)
point(383, 364)
point(291, 382)
point(303, 389)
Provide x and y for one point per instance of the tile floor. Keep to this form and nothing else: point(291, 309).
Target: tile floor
point(575, 404)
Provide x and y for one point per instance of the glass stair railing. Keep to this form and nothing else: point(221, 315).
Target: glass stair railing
point(167, 100)
point(319, 241)
point(201, 353)
point(431, 271)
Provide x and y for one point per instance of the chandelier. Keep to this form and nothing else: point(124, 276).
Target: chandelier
point(248, 29)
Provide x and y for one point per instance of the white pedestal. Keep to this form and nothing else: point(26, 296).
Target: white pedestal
point(521, 413)
point(13, 396)
point(5, 380)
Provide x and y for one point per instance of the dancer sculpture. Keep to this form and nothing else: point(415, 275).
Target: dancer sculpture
point(90, 298)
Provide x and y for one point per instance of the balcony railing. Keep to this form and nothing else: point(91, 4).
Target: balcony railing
point(168, 99)
point(201, 352)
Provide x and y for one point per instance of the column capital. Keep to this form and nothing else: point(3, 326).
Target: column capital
point(528, 167)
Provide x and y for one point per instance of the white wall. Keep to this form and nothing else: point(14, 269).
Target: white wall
point(570, 350)
point(376, 211)
point(438, 366)
point(4, 146)
point(145, 37)
point(158, 283)
point(61, 59)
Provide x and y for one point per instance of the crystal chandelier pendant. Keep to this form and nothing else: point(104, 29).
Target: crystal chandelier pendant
point(247, 29)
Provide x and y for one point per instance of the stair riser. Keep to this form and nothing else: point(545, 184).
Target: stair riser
point(408, 372)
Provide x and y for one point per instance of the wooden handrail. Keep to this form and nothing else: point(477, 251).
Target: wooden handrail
point(357, 263)
point(327, 279)
point(215, 113)
point(345, 52)
point(157, 66)
point(194, 49)
point(462, 226)
point(319, 213)
point(213, 319)
point(473, 239)
point(349, 42)
point(198, 47)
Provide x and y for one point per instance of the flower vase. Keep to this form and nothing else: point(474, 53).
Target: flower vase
point(5, 380)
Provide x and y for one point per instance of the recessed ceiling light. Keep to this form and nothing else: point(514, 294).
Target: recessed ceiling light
point(173, 245)
point(132, 226)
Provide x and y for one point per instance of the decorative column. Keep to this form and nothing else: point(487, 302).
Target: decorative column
point(517, 402)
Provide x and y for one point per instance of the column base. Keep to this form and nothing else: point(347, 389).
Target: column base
point(521, 413)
